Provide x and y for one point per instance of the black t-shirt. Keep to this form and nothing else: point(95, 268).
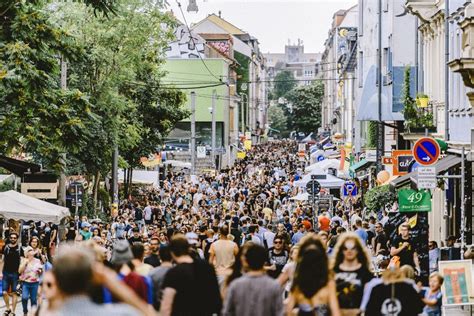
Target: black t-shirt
point(382, 240)
point(11, 258)
point(406, 255)
point(197, 290)
point(350, 286)
point(279, 260)
point(133, 240)
point(399, 299)
point(153, 260)
point(138, 214)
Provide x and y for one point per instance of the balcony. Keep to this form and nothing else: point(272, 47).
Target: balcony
point(419, 121)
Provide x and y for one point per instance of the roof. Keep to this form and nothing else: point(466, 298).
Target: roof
point(18, 167)
point(363, 164)
point(229, 27)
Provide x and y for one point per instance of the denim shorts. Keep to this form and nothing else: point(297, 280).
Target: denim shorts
point(10, 281)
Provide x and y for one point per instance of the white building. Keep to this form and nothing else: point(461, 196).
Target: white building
point(398, 34)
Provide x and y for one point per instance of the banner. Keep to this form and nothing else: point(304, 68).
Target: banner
point(152, 160)
point(248, 144)
point(241, 154)
point(457, 286)
point(414, 201)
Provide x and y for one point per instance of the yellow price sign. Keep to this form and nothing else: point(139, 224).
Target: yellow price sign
point(248, 144)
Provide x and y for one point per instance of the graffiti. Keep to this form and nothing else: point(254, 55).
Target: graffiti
point(221, 46)
point(186, 45)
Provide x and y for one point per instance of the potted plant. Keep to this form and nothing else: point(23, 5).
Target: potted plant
point(422, 100)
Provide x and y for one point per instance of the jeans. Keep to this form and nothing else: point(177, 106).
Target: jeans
point(30, 291)
point(10, 280)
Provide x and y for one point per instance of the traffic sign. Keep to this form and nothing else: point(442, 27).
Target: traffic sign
point(313, 187)
point(426, 151)
point(320, 158)
point(426, 178)
point(349, 189)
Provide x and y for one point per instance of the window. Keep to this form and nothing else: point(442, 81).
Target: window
point(387, 61)
point(385, 5)
point(360, 69)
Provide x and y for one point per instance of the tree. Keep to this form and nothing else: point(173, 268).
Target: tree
point(121, 73)
point(37, 116)
point(277, 118)
point(284, 82)
point(305, 107)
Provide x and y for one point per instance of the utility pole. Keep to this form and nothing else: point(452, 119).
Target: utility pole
point(62, 175)
point(242, 113)
point(193, 133)
point(213, 130)
point(115, 199)
point(446, 71)
point(380, 126)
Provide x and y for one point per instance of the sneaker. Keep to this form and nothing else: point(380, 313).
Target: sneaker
point(7, 312)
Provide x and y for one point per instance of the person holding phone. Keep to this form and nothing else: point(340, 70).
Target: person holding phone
point(30, 269)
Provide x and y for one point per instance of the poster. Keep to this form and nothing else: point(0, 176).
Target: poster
point(457, 286)
point(201, 152)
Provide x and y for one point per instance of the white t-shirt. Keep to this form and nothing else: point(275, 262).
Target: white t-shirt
point(147, 213)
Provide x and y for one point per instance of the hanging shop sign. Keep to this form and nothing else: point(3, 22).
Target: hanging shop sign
point(401, 161)
point(414, 201)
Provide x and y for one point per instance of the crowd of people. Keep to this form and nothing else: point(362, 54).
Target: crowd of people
point(234, 243)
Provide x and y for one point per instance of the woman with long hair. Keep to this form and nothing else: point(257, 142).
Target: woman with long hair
point(38, 250)
point(313, 291)
point(352, 271)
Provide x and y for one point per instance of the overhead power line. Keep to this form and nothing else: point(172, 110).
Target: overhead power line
point(194, 43)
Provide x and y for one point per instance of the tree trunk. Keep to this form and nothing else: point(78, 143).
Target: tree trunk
point(96, 190)
point(130, 182)
point(125, 182)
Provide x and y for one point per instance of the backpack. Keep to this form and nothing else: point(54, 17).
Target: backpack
point(138, 214)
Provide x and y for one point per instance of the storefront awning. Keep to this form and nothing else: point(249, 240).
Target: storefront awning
point(441, 166)
point(361, 165)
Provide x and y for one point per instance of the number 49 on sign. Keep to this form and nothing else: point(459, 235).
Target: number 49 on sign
point(414, 201)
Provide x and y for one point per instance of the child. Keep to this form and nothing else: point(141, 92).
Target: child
point(433, 296)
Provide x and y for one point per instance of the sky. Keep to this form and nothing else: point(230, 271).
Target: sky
point(272, 22)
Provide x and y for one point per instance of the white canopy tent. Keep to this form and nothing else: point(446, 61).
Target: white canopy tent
point(178, 164)
point(147, 177)
point(17, 206)
point(300, 197)
point(324, 165)
point(331, 182)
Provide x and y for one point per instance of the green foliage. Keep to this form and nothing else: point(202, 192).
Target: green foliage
point(283, 84)
point(121, 73)
point(37, 116)
point(379, 198)
point(7, 186)
point(277, 118)
point(306, 107)
point(414, 117)
point(420, 94)
point(372, 134)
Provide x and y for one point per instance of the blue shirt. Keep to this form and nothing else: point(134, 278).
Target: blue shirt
point(362, 234)
point(296, 237)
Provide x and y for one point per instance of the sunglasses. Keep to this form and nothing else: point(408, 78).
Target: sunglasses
point(347, 248)
point(277, 242)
